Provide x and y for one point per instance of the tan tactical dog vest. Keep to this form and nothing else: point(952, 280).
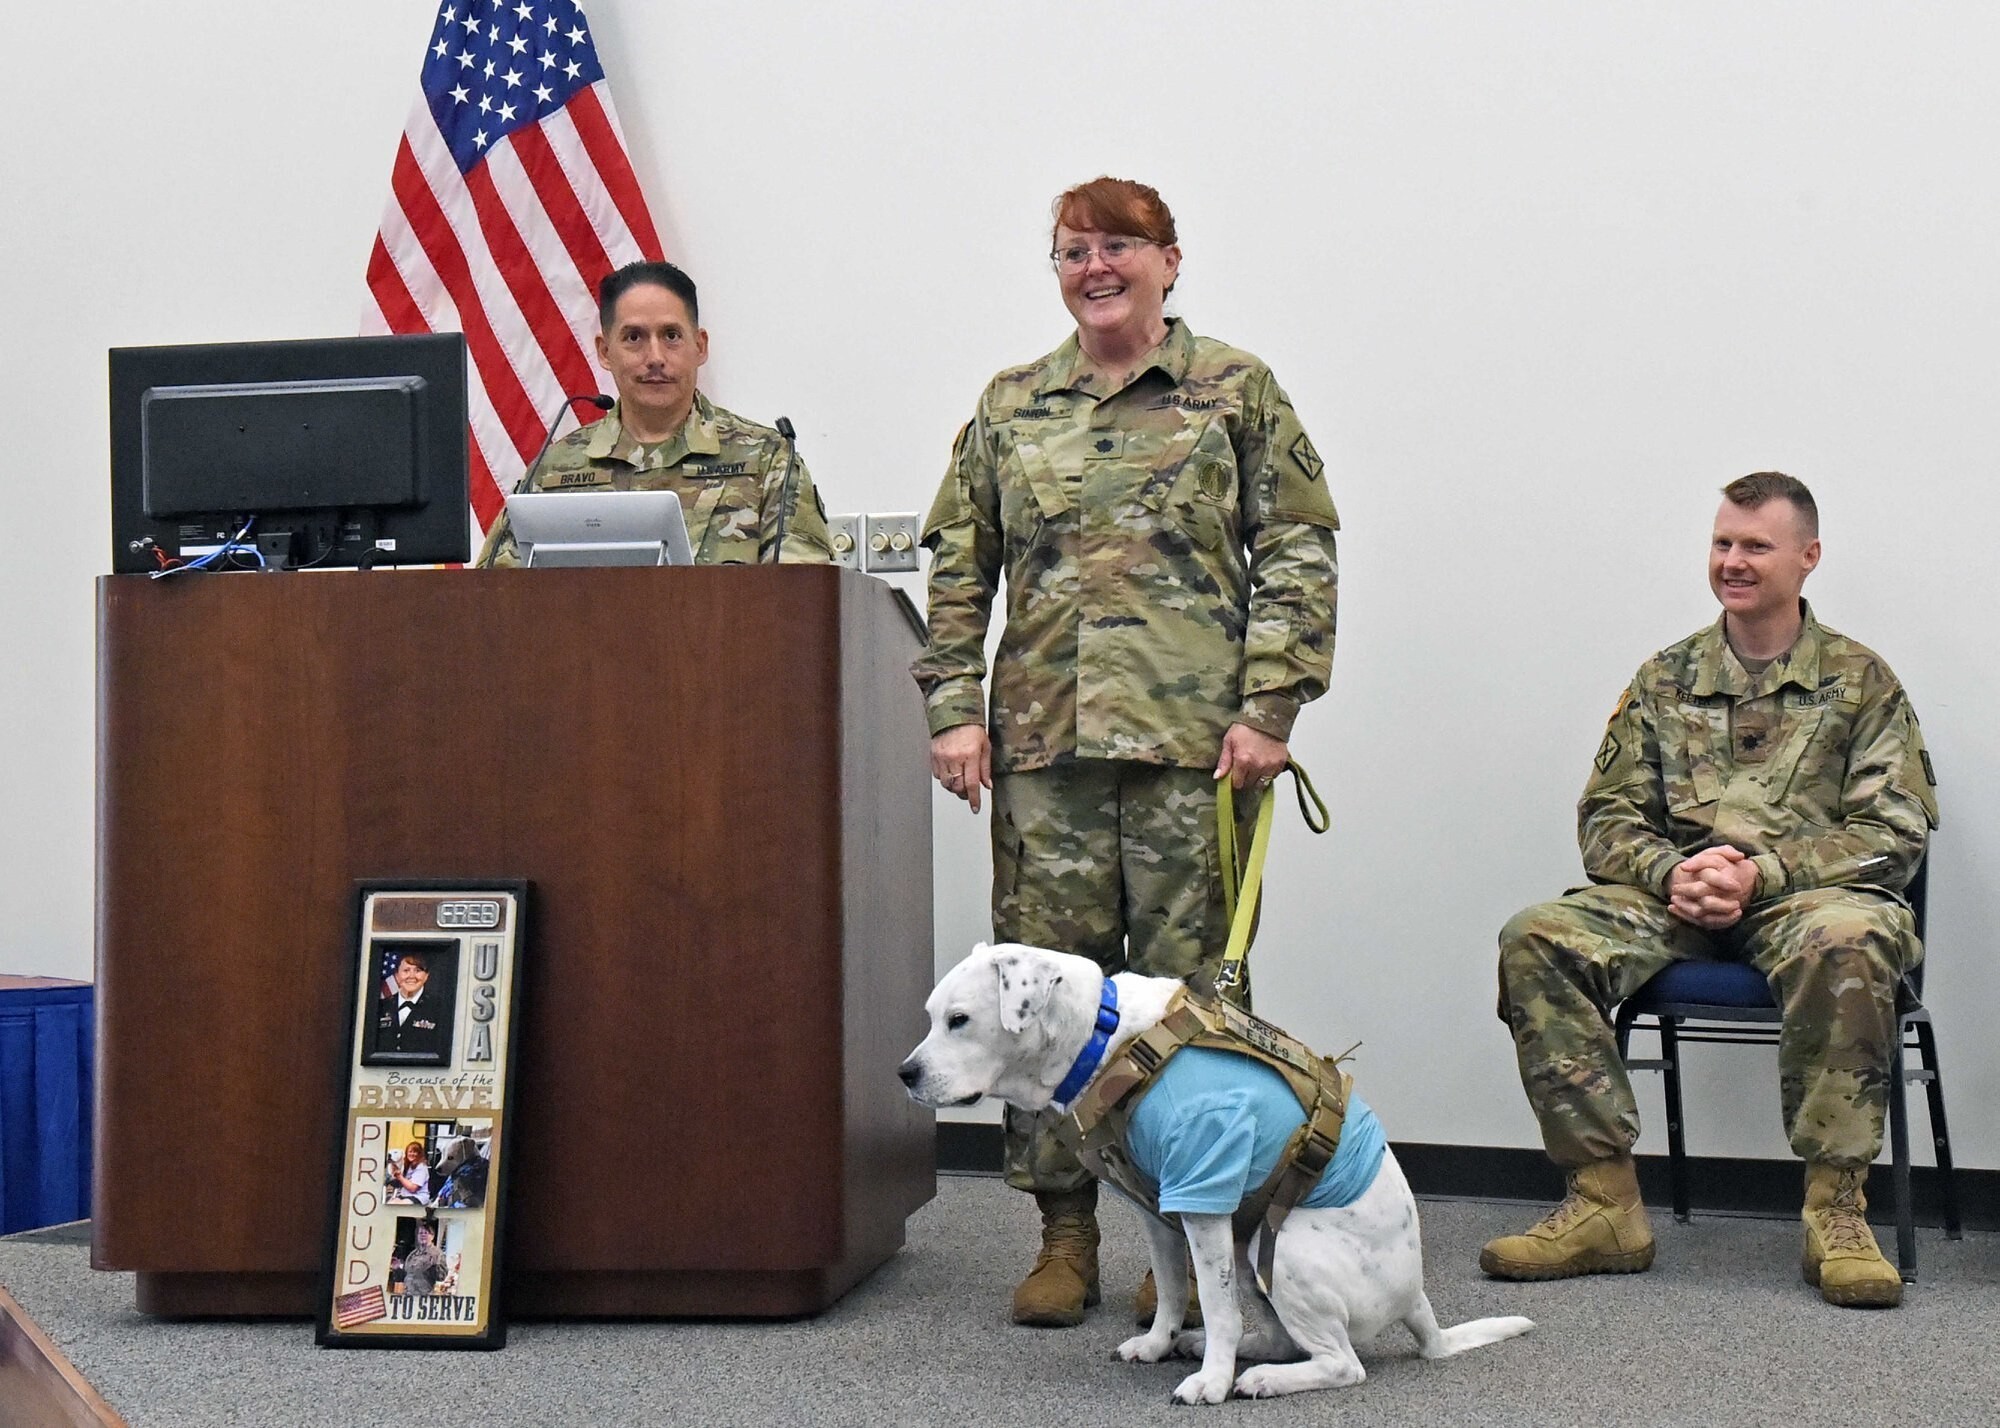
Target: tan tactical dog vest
point(1096, 1125)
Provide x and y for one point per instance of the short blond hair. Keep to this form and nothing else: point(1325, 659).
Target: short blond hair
point(1754, 490)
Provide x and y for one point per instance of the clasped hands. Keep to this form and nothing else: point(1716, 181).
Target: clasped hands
point(1712, 888)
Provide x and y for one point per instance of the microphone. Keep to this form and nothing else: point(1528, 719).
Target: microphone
point(785, 495)
point(596, 399)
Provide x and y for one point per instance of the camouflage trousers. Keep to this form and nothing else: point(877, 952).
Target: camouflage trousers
point(1833, 957)
point(1111, 860)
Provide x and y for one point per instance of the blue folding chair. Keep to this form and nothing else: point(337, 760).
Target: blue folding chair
point(1731, 1002)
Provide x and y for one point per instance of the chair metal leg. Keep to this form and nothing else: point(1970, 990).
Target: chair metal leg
point(1670, 1055)
point(1899, 1165)
point(1940, 1134)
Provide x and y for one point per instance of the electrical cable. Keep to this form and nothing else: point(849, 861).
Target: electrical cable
point(208, 562)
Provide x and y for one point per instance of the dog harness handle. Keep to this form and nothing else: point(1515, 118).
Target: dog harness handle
point(1243, 881)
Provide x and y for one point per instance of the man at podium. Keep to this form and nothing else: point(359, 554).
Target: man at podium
point(732, 476)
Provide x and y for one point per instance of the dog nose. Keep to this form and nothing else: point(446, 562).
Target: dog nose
point(909, 1071)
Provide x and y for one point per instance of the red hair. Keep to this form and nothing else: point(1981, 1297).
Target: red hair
point(1115, 205)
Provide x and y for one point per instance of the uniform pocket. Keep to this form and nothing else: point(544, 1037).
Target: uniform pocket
point(1020, 513)
point(1688, 776)
point(1682, 794)
point(1203, 499)
point(1808, 770)
point(1203, 521)
point(1031, 496)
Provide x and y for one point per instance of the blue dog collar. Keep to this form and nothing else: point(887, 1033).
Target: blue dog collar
point(1092, 1055)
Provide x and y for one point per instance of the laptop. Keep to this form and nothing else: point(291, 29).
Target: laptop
point(599, 528)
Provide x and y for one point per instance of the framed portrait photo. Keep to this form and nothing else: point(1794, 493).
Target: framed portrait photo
point(414, 1010)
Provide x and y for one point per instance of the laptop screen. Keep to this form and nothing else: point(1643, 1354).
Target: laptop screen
point(600, 528)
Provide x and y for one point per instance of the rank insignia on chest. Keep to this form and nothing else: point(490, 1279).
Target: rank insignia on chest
point(1757, 729)
point(1106, 444)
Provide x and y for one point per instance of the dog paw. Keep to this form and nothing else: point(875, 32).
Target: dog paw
point(1145, 1348)
point(1190, 1344)
point(1256, 1383)
point(1203, 1388)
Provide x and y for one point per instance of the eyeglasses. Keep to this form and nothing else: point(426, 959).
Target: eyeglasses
point(1076, 257)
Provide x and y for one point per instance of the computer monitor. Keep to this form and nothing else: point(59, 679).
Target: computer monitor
point(345, 451)
point(599, 528)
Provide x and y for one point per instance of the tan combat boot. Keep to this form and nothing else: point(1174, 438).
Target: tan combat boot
point(1148, 1299)
point(1841, 1255)
point(1063, 1282)
point(1599, 1228)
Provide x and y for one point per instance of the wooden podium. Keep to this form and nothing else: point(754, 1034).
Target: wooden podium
point(715, 779)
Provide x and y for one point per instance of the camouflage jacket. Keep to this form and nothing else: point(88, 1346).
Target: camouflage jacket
point(728, 472)
point(1816, 767)
point(1169, 555)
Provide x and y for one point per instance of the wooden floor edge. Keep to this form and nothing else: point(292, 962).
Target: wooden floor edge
point(39, 1387)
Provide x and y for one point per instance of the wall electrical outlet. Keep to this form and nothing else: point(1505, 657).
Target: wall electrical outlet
point(890, 542)
point(846, 534)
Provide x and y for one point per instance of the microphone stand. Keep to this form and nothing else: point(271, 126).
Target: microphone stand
point(785, 495)
point(596, 399)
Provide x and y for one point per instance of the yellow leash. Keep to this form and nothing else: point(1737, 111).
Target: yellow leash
point(1243, 883)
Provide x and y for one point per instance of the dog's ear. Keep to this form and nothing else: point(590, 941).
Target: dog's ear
point(1026, 979)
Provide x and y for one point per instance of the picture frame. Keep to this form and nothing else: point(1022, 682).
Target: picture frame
point(419, 1207)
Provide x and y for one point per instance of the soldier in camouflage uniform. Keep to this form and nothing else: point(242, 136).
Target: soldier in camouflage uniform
point(1763, 795)
point(1163, 525)
point(664, 435)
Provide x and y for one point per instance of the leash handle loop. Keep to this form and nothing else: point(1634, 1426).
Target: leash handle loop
point(1243, 880)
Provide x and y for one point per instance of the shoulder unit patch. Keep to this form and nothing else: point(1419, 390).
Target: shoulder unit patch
point(1308, 459)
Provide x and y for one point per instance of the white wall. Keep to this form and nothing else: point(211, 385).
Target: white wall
point(1539, 277)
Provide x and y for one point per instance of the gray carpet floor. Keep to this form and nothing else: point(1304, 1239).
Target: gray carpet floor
point(1722, 1331)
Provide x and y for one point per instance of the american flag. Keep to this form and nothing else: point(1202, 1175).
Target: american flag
point(511, 198)
point(389, 954)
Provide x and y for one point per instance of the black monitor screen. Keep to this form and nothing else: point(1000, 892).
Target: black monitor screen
point(338, 452)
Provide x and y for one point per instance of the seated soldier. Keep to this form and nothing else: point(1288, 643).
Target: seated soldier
point(663, 435)
point(1762, 795)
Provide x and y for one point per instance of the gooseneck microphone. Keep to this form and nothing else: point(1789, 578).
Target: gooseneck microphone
point(786, 495)
point(596, 399)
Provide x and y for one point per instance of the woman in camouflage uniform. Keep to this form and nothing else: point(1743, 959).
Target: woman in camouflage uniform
point(1167, 540)
point(424, 1266)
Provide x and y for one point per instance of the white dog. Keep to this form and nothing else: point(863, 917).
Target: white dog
point(1011, 1021)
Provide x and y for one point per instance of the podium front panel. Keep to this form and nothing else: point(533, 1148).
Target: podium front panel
point(715, 779)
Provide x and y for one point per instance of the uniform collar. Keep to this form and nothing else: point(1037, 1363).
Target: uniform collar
point(697, 436)
point(1717, 670)
point(1069, 368)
